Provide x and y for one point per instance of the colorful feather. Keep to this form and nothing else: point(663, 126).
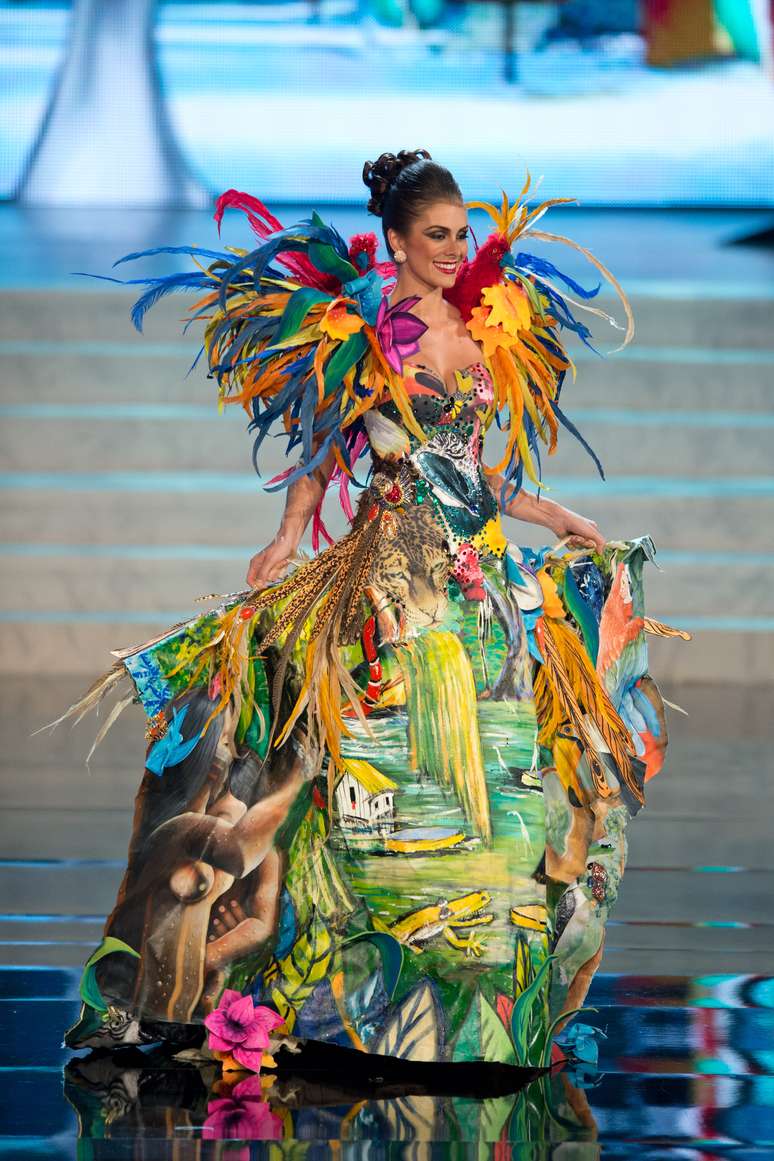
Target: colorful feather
point(516, 320)
point(582, 613)
point(484, 270)
point(299, 331)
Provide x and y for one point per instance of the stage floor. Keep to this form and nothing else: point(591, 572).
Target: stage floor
point(684, 997)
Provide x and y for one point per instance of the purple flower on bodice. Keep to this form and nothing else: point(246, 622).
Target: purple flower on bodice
point(398, 331)
point(241, 1028)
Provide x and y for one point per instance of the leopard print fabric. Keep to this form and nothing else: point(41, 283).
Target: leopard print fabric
point(411, 568)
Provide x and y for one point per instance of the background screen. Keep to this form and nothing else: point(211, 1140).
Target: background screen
point(619, 102)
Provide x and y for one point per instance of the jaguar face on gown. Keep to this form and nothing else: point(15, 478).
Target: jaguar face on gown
point(387, 797)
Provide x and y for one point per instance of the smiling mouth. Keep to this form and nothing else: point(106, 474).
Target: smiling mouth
point(446, 267)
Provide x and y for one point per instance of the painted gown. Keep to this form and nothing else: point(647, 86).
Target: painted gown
point(386, 797)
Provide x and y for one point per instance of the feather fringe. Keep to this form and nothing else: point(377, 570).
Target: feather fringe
point(91, 698)
point(567, 689)
point(528, 360)
point(659, 629)
point(323, 602)
point(287, 338)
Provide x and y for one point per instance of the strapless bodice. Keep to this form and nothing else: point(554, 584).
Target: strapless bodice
point(432, 402)
point(447, 465)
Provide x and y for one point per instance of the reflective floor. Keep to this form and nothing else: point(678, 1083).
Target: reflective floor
point(684, 1001)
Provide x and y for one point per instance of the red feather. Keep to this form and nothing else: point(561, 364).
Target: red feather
point(363, 244)
point(252, 207)
point(264, 224)
point(367, 244)
point(473, 276)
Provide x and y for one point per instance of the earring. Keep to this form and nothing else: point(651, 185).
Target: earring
point(399, 255)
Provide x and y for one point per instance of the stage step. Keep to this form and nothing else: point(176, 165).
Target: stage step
point(127, 495)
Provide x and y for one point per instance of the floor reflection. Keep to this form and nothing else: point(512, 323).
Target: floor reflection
point(684, 1074)
point(138, 1099)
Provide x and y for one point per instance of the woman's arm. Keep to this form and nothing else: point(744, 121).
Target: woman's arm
point(303, 497)
point(240, 847)
point(579, 531)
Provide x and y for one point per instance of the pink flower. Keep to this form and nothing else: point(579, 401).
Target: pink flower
point(243, 1115)
point(240, 1028)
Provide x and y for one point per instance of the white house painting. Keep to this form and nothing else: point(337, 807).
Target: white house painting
point(365, 798)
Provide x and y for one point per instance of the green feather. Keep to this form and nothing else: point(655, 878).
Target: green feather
point(343, 358)
point(298, 306)
point(583, 615)
point(326, 259)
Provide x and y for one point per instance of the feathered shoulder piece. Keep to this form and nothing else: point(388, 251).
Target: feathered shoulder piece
point(299, 332)
point(514, 305)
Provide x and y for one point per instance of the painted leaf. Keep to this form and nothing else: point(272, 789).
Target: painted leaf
point(494, 1114)
point(468, 1042)
point(89, 989)
point(413, 1032)
point(410, 1118)
point(523, 971)
point(391, 951)
point(528, 1018)
point(343, 359)
point(298, 973)
point(495, 1042)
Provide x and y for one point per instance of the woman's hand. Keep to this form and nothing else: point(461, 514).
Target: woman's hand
point(576, 530)
point(565, 524)
point(271, 563)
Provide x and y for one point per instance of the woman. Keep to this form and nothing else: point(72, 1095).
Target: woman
point(465, 727)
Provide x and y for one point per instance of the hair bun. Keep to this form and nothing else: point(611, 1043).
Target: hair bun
point(379, 175)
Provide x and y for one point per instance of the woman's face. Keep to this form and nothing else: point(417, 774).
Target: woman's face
point(435, 244)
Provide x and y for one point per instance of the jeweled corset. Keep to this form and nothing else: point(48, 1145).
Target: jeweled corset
point(446, 469)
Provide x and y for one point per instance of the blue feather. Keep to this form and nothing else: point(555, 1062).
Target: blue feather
point(163, 287)
point(304, 468)
point(199, 354)
point(539, 266)
point(306, 415)
point(567, 319)
point(563, 419)
point(159, 288)
point(218, 255)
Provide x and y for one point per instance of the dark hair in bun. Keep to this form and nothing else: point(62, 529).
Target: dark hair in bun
point(403, 184)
